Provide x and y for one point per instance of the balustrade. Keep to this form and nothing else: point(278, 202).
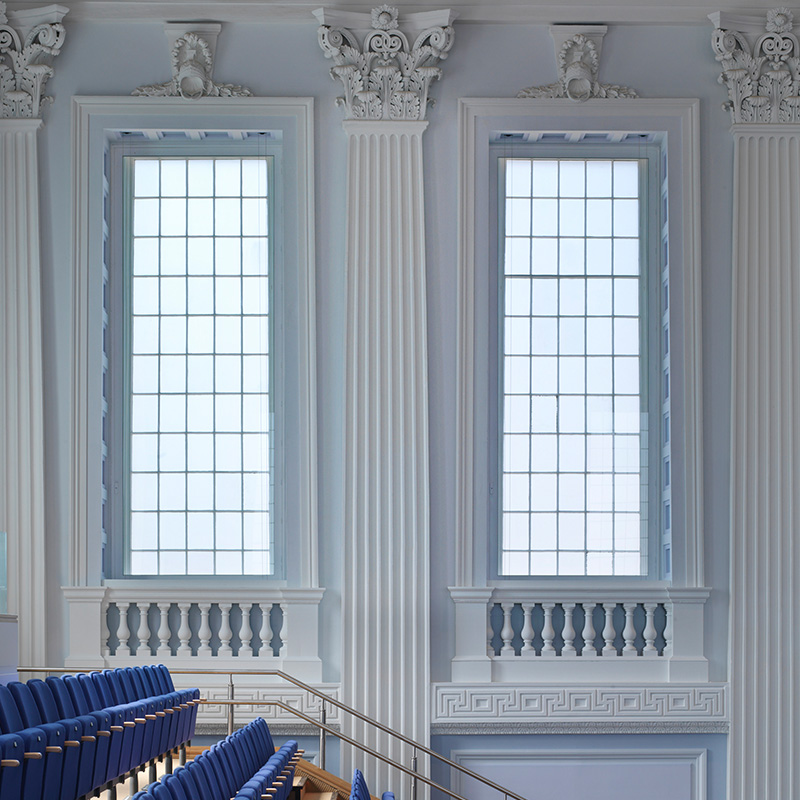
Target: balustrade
point(569, 629)
point(193, 629)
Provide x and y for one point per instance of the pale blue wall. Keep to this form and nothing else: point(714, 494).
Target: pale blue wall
point(487, 60)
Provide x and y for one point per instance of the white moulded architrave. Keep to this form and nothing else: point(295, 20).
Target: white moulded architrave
point(93, 118)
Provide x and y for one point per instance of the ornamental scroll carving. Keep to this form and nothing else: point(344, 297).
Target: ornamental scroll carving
point(578, 58)
point(761, 73)
point(386, 73)
point(23, 60)
point(192, 57)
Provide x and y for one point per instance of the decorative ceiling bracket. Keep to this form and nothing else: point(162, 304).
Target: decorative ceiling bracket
point(386, 70)
point(760, 60)
point(578, 50)
point(192, 48)
point(28, 42)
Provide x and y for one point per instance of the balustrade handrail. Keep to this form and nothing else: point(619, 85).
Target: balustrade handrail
point(325, 699)
point(343, 737)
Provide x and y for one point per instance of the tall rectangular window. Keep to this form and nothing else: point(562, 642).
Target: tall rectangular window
point(574, 370)
point(197, 427)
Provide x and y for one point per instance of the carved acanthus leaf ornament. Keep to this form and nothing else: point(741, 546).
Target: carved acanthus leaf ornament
point(762, 77)
point(578, 64)
point(385, 76)
point(192, 67)
point(23, 65)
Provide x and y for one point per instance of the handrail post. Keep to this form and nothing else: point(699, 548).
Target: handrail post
point(231, 706)
point(414, 779)
point(323, 720)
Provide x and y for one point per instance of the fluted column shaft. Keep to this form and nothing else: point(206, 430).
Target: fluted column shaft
point(386, 587)
point(21, 389)
point(765, 472)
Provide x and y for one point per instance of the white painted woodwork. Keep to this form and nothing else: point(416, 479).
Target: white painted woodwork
point(184, 632)
point(548, 631)
point(649, 633)
point(22, 501)
point(578, 705)
point(186, 626)
point(164, 632)
point(765, 463)
point(478, 119)
point(386, 531)
point(482, 12)
point(507, 632)
point(204, 634)
point(95, 121)
point(568, 632)
point(225, 633)
point(143, 631)
point(588, 633)
point(245, 633)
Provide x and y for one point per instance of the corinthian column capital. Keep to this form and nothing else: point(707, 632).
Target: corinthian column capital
point(385, 62)
point(760, 59)
point(28, 42)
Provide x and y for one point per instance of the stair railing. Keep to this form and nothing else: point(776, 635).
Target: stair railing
point(231, 702)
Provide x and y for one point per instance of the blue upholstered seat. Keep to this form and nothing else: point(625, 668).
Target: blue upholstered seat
point(12, 751)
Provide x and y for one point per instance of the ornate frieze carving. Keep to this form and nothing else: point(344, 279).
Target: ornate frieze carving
point(25, 51)
point(760, 66)
point(386, 72)
point(192, 56)
point(578, 57)
point(528, 703)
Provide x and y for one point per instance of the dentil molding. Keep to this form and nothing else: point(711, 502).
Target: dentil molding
point(578, 50)
point(26, 47)
point(760, 61)
point(192, 48)
point(386, 72)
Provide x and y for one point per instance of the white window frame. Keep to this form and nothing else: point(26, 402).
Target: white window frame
point(479, 120)
point(95, 121)
point(649, 156)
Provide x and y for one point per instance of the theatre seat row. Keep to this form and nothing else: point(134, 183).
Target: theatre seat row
point(360, 791)
point(68, 737)
point(243, 766)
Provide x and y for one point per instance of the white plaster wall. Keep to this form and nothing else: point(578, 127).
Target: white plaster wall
point(487, 60)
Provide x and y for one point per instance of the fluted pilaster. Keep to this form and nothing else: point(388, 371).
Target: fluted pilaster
point(386, 595)
point(765, 475)
point(28, 41)
point(21, 398)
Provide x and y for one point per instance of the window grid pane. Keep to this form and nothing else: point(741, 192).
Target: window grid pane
point(573, 452)
point(199, 367)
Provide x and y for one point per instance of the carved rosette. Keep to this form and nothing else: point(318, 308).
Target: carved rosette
point(578, 63)
point(762, 76)
point(23, 66)
point(385, 76)
point(192, 67)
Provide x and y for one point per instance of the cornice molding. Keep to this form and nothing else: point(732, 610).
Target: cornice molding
point(480, 12)
point(760, 60)
point(386, 71)
point(578, 59)
point(192, 48)
point(29, 40)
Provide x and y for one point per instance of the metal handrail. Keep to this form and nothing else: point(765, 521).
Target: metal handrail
point(325, 699)
point(343, 737)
